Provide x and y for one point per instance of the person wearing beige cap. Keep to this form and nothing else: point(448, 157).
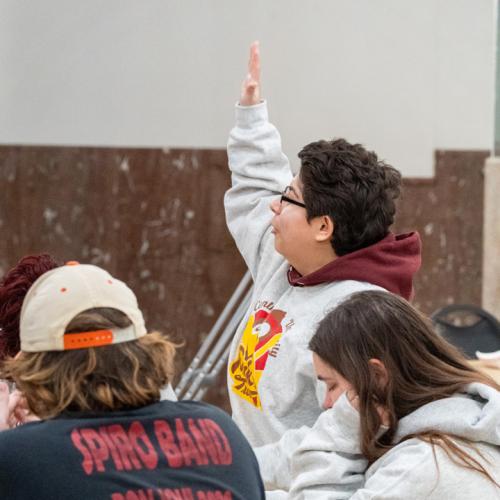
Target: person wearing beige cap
point(93, 374)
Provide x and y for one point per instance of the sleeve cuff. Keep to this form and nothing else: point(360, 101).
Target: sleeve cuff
point(250, 115)
point(342, 424)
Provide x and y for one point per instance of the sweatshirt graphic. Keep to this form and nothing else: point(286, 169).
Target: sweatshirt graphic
point(260, 339)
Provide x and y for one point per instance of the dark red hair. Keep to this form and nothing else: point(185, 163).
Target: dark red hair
point(13, 288)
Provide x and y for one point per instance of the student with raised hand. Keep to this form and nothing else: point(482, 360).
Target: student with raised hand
point(309, 241)
point(407, 416)
point(91, 372)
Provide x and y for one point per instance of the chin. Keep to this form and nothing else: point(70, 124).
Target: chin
point(278, 247)
point(276, 243)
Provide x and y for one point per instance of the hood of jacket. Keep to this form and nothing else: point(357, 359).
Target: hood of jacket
point(473, 415)
point(390, 263)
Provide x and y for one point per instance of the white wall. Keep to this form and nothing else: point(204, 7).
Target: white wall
point(402, 77)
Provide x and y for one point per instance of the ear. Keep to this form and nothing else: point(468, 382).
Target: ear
point(324, 227)
point(380, 371)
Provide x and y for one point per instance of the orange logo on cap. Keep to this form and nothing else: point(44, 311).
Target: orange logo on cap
point(72, 263)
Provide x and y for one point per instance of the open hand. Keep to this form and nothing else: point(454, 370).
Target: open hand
point(250, 89)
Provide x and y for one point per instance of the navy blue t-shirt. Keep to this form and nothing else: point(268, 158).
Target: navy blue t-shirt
point(165, 451)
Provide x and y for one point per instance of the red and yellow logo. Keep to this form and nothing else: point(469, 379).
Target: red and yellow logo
point(261, 334)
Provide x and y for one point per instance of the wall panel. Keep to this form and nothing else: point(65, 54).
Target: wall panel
point(155, 219)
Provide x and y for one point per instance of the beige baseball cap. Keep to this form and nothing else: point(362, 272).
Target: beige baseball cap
point(59, 295)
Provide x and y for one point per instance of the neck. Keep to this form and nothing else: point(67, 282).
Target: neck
point(314, 261)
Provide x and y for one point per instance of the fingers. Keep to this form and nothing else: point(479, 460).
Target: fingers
point(351, 394)
point(19, 417)
point(17, 412)
point(14, 400)
point(353, 398)
point(4, 406)
point(13, 409)
point(20, 413)
point(250, 89)
point(250, 93)
point(254, 62)
point(384, 415)
point(249, 85)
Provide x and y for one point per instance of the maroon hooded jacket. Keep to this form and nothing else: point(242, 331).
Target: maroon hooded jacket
point(390, 263)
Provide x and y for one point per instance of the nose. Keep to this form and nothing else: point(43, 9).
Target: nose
point(327, 403)
point(275, 206)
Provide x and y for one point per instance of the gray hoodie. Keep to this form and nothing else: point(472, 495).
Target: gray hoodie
point(327, 464)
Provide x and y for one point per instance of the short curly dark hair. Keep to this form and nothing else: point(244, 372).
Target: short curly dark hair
point(351, 185)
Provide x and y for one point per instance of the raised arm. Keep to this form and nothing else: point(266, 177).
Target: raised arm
point(260, 170)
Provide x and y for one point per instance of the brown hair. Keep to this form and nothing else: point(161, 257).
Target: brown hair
point(107, 378)
point(352, 186)
point(421, 365)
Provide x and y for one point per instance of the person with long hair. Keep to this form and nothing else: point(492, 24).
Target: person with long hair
point(89, 369)
point(406, 415)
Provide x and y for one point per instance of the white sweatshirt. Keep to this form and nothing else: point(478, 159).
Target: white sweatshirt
point(328, 464)
point(271, 381)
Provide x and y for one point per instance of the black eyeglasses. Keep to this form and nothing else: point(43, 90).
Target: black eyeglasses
point(284, 197)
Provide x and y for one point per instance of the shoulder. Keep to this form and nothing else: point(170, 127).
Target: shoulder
point(332, 294)
point(341, 289)
point(202, 411)
point(220, 426)
point(406, 455)
point(23, 432)
point(21, 441)
point(348, 287)
point(407, 469)
point(197, 408)
point(415, 467)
